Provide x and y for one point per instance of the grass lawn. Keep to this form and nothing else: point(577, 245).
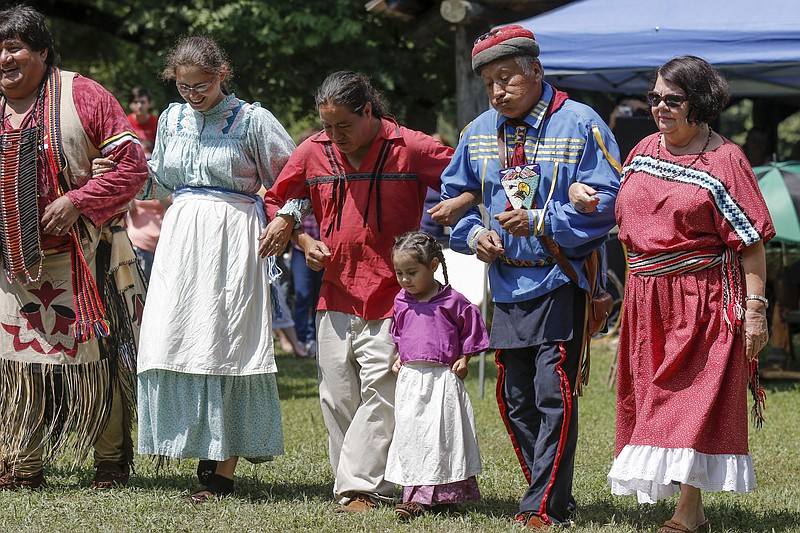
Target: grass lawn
point(293, 493)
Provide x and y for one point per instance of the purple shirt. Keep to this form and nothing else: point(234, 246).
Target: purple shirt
point(440, 330)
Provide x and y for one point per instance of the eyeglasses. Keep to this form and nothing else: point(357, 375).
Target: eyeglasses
point(200, 88)
point(672, 100)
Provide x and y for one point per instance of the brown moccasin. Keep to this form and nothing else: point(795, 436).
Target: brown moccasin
point(358, 504)
point(408, 510)
point(110, 475)
point(531, 520)
point(9, 481)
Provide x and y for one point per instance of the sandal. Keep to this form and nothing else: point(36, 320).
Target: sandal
point(205, 469)
point(671, 526)
point(218, 487)
point(408, 510)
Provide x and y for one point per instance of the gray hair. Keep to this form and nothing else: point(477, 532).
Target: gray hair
point(526, 62)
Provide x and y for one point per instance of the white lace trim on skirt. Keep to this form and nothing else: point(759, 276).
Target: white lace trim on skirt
point(653, 473)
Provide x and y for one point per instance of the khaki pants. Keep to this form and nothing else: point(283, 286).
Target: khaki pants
point(356, 392)
point(109, 446)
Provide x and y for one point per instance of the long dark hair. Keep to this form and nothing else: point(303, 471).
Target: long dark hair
point(422, 247)
point(353, 90)
point(706, 89)
point(30, 26)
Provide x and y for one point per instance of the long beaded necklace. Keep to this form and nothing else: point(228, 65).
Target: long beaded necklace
point(691, 165)
point(19, 217)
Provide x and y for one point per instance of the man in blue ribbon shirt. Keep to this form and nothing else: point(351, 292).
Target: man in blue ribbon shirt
point(522, 156)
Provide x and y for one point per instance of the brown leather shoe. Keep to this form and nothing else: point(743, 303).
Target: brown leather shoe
point(110, 475)
point(8, 481)
point(358, 504)
point(532, 521)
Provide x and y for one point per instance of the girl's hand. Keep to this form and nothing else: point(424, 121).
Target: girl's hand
point(583, 198)
point(755, 329)
point(460, 366)
point(396, 366)
point(275, 236)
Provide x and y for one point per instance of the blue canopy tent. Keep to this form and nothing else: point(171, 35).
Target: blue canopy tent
point(614, 45)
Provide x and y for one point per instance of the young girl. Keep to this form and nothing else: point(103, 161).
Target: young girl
point(434, 451)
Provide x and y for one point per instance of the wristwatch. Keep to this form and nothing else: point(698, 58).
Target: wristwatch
point(757, 297)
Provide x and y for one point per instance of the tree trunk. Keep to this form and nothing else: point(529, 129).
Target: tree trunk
point(470, 94)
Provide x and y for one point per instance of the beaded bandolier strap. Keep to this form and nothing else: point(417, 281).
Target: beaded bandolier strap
point(21, 243)
point(20, 213)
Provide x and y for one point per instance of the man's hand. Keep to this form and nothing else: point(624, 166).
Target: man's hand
point(317, 253)
point(276, 236)
point(59, 216)
point(583, 198)
point(516, 222)
point(489, 247)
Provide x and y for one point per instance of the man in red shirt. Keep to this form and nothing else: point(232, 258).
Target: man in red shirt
point(365, 178)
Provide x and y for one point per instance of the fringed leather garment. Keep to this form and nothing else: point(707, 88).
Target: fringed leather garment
point(69, 319)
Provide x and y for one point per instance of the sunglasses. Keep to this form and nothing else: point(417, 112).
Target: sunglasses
point(672, 100)
point(490, 33)
point(199, 88)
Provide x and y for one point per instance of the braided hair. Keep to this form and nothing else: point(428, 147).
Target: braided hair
point(422, 247)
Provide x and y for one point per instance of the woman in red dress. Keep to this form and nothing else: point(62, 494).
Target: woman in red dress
point(694, 223)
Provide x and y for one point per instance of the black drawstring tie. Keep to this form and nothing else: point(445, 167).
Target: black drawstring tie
point(340, 178)
point(375, 178)
point(338, 188)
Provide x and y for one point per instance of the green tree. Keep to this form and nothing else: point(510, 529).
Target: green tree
point(280, 50)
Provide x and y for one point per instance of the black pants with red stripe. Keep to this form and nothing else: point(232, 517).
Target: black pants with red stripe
point(535, 394)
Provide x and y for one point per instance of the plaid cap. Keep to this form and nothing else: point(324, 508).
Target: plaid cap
point(503, 42)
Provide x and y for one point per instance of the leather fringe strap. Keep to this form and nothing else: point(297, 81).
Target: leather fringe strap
point(58, 408)
point(759, 395)
point(90, 321)
point(124, 279)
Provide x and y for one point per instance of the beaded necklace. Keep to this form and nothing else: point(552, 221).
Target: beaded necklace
point(691, 165)
point(19, 217)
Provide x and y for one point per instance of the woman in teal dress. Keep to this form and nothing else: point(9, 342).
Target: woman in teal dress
point(206, 364)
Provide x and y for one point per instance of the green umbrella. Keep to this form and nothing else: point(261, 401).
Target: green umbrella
point(780, 185)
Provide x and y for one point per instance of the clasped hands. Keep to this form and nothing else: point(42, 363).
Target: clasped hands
point(276, 236)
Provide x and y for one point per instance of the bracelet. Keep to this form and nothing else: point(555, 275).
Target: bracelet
point(757, 297)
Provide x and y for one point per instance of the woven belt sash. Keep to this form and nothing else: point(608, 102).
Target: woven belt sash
point(673, 263)
point(547, 261)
